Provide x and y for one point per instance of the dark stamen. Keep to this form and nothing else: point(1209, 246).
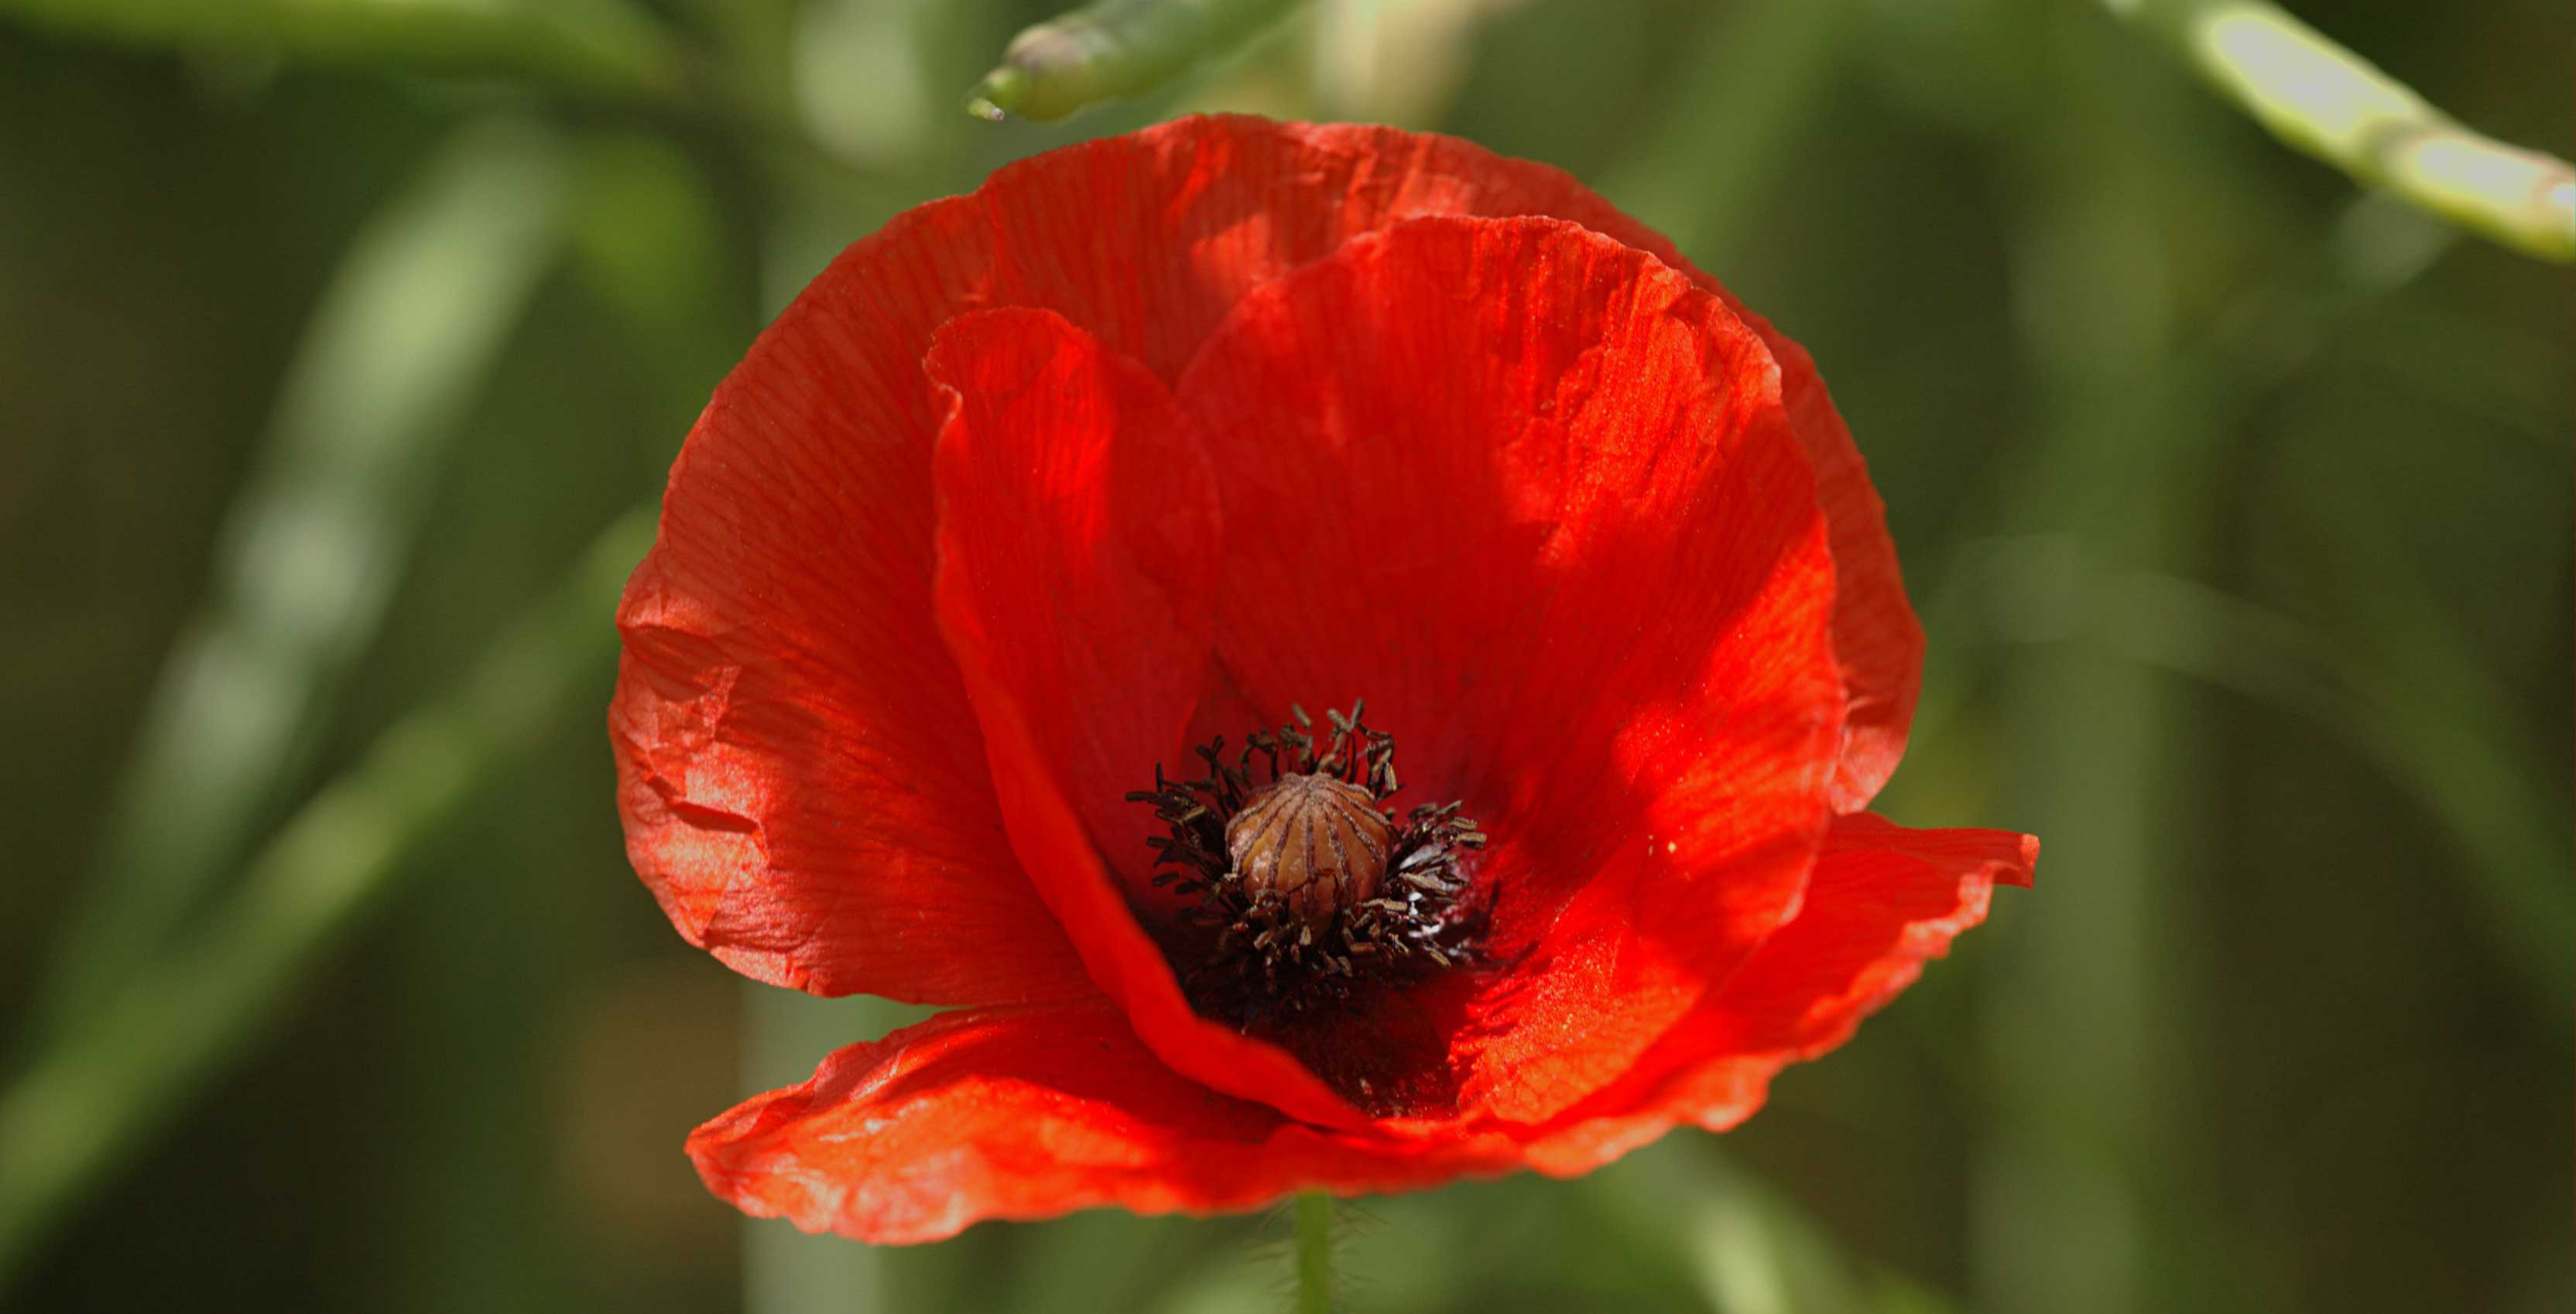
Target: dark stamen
point(1323, 892)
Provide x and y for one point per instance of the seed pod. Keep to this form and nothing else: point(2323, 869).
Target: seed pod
point(1113, 48)
point(1319, 842)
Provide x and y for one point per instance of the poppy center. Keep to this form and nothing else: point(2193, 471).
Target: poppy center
point(1319, 842)
point(1309, 887)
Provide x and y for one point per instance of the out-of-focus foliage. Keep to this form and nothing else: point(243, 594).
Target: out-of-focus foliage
point(317, 535)
point(2238, 509)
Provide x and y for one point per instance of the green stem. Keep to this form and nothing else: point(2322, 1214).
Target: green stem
point(2322, 99)
point(90, 1097)
point(1314, 1253)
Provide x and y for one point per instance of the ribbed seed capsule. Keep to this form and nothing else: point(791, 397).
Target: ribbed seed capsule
point(1317, 840)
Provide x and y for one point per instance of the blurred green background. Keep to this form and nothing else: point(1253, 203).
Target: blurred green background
point(335, 334)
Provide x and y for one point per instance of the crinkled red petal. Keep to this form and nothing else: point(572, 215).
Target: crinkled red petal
point(1877, 639)
point(1033, 1112)
point(1533, 494)
point(1078, 536)
point(796, 763)
point(801, 780)
point(1885, 900)
point(1148, 240)
point(1029, 1113)
point(1078, 546)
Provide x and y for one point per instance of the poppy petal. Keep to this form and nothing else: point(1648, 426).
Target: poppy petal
point(798, 768)
point(1078, 515)
point(1078, 542)
point(1885, 899)
point(1030, 1113)
point(1148, 240)
point(1534, 495)
point(796, 765)
point(1877, 639)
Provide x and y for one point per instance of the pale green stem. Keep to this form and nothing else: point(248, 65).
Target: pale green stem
point(92, 1096)
point(2323, 99)
point(1314, 1210)
point(315, 541)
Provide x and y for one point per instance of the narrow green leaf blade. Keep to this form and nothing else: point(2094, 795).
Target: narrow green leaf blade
point(317, 539)
point(94, 1094)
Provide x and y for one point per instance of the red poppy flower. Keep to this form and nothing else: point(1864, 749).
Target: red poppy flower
point(1151, 443)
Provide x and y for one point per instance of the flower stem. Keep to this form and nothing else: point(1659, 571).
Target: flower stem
point(2325, 100)
point(1314, 1253)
